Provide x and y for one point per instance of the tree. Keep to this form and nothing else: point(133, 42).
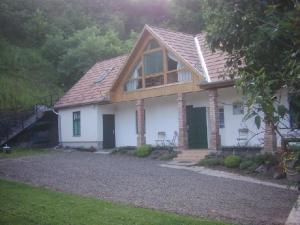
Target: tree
point(187, 15)
point(263, 42)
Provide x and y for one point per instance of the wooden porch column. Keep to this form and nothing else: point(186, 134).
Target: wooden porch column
point(270, 141)
point(214, 137)
point(141, 140)
point(182, 136)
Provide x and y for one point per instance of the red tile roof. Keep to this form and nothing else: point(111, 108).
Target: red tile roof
point(215, 61)
point(183, 44)
point(91, 88)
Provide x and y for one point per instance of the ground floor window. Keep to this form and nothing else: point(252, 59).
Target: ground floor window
point(237, 108)
point(295, 111)
point(76, 123)
point(221, 117)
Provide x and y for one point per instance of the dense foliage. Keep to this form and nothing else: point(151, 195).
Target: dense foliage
point(47, 45)
point(262, 38)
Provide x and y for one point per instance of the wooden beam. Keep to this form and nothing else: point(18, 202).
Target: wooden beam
point(165, 66)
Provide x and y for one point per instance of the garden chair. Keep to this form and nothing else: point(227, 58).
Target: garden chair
point(172, 143)
point(161, 138)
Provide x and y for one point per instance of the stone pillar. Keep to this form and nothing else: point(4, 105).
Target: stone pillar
point(182, 136)
point(270, 142)
point(141, 140)
point(214, 137)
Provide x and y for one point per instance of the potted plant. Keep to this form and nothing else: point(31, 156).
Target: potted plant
point(291, 163)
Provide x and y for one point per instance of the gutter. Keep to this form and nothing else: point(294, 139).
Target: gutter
point(101, 102)
point(202, 59)
point(216, 84)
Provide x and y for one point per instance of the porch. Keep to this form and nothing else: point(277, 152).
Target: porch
point(204, 120)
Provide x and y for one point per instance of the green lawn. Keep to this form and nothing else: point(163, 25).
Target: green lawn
point(23, 204)
point(17, 152)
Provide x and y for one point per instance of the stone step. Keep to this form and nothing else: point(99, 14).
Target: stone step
point(191, 155)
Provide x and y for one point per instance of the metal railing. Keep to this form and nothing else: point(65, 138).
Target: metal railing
point(14, 121)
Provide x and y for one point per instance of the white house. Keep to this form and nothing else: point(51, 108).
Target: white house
point(169, 83)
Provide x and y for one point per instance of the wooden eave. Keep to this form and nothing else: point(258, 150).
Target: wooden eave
point(117, 94)
point(216, 84)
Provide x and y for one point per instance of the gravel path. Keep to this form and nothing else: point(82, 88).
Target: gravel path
point(144, 183)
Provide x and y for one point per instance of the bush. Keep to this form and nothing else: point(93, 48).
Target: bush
point(232, 161)
point(168, 156)
point(267, 159)
point(143, 151)
point(210, 162)
point(246, 164)
point(253, 167)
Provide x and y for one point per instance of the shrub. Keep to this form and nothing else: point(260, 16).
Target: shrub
point(246, 164)
point(168, 156)
point(143, 151)
point(267, 158)
point(232, 161)
point(210, 162)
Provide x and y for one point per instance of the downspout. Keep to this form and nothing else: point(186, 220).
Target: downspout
point(202, 59)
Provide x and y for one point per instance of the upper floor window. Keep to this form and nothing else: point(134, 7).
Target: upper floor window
point(156, 67)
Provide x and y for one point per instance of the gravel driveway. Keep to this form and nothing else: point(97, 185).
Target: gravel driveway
point(144, 183)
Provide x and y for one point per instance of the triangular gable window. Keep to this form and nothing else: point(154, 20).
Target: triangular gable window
point(152, 70)
point(152, 45)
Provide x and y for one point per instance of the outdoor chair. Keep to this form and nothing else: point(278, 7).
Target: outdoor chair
point(172, 143)
point(161, 138)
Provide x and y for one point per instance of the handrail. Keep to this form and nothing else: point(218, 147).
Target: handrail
point(10, 121)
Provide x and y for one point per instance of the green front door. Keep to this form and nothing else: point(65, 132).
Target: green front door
point(197, 127)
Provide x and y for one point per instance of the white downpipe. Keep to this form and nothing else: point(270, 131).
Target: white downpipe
point(202, 59)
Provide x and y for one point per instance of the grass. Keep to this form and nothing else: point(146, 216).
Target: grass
point(22, 204)
point(18, 152)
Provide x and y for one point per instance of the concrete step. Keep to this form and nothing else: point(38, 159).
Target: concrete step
point(191, 155)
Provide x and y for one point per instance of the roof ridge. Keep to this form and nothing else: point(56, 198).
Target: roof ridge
point(166, 29)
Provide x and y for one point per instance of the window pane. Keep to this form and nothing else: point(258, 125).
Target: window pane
point(238, 108)
point(76, 123)
point(133, 84)
point(152, 45)
point(154, 81)
point(184, 75)
point(172, 77)
point(295, 111)
point(221, 118)
point(153, 62)
point(172, 64)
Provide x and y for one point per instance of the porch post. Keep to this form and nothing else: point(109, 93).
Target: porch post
point(140, 122)
point(182, 136)
point(270, 142)
point(214, 137)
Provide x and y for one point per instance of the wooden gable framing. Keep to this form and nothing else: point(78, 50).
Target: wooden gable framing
point(118, 94)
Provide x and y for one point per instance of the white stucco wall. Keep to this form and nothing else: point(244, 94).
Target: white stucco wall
point(161, 116)
point(125, 124)
point(230, 133)
point(90, 136)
